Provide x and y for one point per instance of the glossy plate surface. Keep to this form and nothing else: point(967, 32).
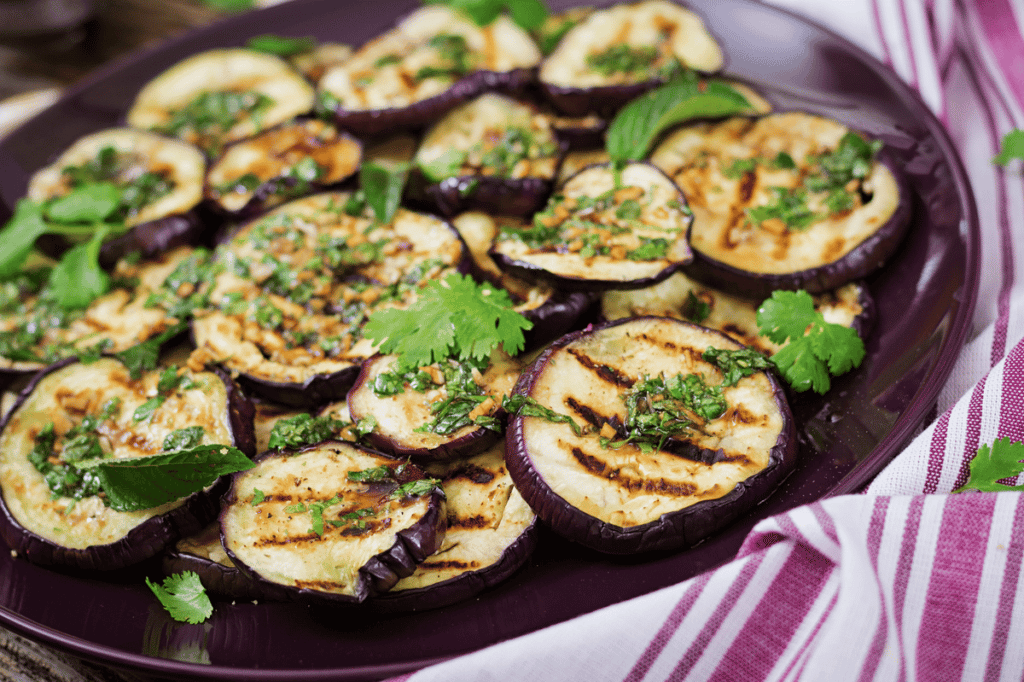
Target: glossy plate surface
point(925, 299)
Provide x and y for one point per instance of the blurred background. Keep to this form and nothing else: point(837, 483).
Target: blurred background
point(52, 43)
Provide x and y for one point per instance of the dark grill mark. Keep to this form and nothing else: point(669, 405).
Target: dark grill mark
point(586, 412)
point(470, 522)
point(592, 464)
point(472, 473)
point(608, 374)
point(747, 185)
point(461, 565)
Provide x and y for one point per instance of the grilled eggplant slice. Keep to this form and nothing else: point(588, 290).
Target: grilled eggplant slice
point(294, 159)
point(787, 201)
point(632, 444)
point(552, 311)
point(297, 286)
point(160, 184)
point(54, 512)
point(315, 63)
point(605, 229)
point(308, 521)
point(491, 533)
point(433, 60)
point(440, 411)
point(220, 96)
point(851, 305)
point(618, 53)
point(204, 555)
point(34, 332)
point(492, 154)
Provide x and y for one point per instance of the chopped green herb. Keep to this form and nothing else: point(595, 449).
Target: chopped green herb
point(423, 486)
point(526, 406)
point(1012, 148)
point(146, 409)
point(695, 309)
point(258, 496)
point(736, 364)
point(303, 429)
point(787, 205)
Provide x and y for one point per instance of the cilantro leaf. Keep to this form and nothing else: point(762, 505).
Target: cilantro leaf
point(18, 236)
point(455, 318)
point(383, 188)
point(989, 465)
point(78, 279)
point(184, 597)
point(815, 348)
point(638, 123)
point(136, 483)
point(1012, 148)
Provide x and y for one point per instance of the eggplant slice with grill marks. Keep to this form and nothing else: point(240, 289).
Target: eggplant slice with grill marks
point(492, 154)
point(54, 512)
point(433, 60)
point(159, 183)
point(298, 284)
point(220, 96)
point(629, 442)
point(851, 305)
point(291, 160)
point(491, 533)
point(332, 523)
point(618, 53)
point(441, 411)
point(787, 201)
point(552, 311)
point(35, 332)
point(604, 229)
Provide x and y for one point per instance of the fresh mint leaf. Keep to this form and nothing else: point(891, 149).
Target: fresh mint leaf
point(18, 236)
point(1012, 148)
point(136, 483)
point(184, 597)
point(282, 46)
point(143, 356)
point(455, 318)
point(146, 409)
point(527, 14)
point(637, 125)
point(78, 279)
point(90, 203)
point(383, 188)
point(990, 465)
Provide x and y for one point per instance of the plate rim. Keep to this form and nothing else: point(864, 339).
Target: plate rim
point(902, 432)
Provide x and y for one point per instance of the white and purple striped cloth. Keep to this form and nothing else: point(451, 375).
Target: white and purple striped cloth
point(905, 582)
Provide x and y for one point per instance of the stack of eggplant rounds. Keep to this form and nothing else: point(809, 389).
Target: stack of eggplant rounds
point(252, 254)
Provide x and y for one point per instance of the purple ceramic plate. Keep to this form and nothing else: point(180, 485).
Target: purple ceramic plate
point(925, 299)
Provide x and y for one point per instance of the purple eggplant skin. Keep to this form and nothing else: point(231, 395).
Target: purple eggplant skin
point(152, 536)
point(418, 115)
point(411, 547)
point(462, 587)
point(672, 531)
point(486, 193)
point(605, 101)
point(556, 316)
point(315, 390)
point(219, 579)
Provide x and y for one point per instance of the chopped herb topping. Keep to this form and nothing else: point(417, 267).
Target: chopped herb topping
point(208, 119)
point(525, 406)
point(736, 364)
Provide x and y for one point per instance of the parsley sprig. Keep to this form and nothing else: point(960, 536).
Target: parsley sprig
point(990, 465)
point(184, 597)
point(816, 348)
point(452, 318)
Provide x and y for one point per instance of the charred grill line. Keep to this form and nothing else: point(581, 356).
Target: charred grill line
point(592, 464)
point(608, 374)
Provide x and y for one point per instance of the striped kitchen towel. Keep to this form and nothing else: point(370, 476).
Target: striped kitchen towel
point(905, 582)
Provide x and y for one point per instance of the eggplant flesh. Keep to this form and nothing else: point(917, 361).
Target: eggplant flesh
point(291, 323)
point(408, 423)
point(250, 91)
point(736, 172)
point(423, 57)
point(618, 496)
point(293, 159)
point(126, 158)
point(491, 532)
point(493, 153)
point(78, 528)
point(118, 319)
point(686, 299)
point(365, 538)
point(605, 228)
point(616, 54)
